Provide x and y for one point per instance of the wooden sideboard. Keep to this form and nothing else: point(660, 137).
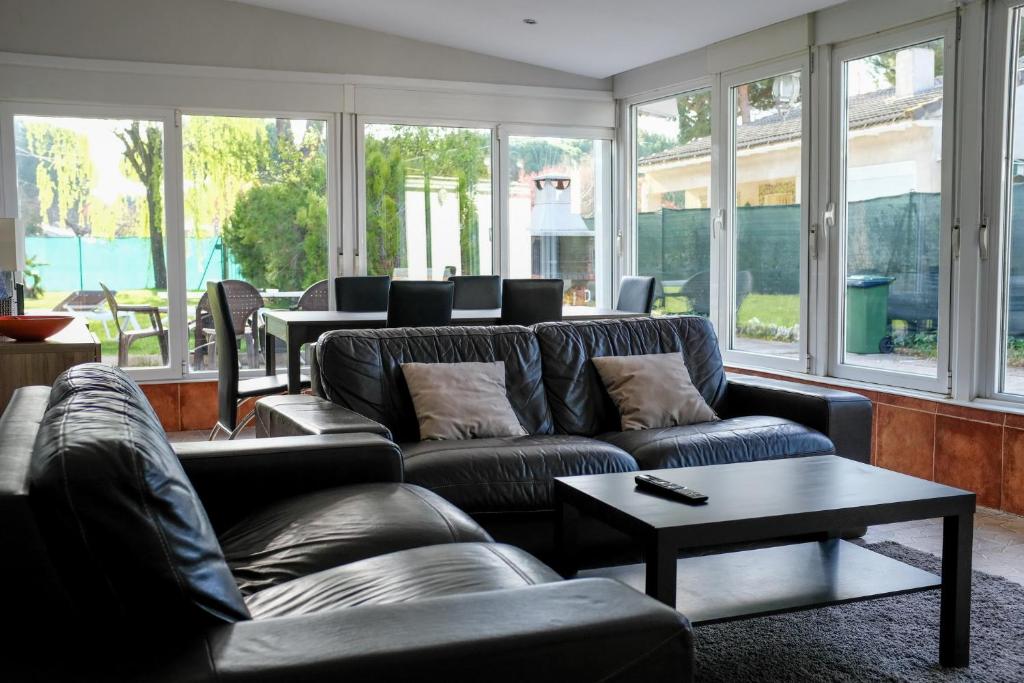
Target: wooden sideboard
point(25, 364)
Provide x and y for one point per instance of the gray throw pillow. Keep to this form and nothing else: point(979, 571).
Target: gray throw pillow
point(653, 391)
point(461, 400)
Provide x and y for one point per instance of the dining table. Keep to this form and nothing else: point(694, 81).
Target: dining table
point(295, 328)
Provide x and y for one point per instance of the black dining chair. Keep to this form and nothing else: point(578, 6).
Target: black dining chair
point(476, 292)
point(362, 294)
point(526, 302)
point(636, 295)
point(419, 303)
point(231, 391)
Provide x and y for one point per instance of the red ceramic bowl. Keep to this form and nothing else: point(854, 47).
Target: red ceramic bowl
point(32, 327)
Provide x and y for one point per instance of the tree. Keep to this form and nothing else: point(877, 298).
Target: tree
point(694, 116)
point(277, 230)
point(63, 175)
point(143, 152)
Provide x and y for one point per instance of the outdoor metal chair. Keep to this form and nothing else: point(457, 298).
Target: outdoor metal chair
point(244, 302)
point(125, 338)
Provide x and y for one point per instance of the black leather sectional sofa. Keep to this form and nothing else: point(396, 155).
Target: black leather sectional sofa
point(506, 483)
point(303, 558)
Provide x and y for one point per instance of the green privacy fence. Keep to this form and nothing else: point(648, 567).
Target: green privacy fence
point(71, 263)
point(895, 236)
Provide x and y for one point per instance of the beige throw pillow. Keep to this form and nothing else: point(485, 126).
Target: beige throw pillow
point(653, 391)
point(461, 400)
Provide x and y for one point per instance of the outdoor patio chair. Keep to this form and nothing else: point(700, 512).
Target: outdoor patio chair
point(314, 298)
point(244, 303)
point(125, 338)
point(89, 304)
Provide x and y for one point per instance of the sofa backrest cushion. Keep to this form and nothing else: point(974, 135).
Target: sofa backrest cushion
point(126, 530)
point(362, 370)
point(579, 402)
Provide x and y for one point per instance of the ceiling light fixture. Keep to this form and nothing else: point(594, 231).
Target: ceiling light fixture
point(531, 22)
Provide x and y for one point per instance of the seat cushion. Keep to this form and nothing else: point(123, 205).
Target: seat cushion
point(313, 532)
point(509, 473)
point(128, 535)
point(738, 439)
point(405, 576)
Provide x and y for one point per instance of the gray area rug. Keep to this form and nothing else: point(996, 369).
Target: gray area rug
point(890, 639)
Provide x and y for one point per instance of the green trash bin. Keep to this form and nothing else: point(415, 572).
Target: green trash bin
point(867, 303)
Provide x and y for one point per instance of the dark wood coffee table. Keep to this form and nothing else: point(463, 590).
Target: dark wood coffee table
point(761, 501)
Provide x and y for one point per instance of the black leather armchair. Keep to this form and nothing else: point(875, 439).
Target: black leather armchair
point(279, 559)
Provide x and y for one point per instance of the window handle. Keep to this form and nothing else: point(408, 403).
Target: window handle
point(983, 240)
point(828, 219)
point(718, 223)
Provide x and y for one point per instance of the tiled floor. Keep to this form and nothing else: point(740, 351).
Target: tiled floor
point(998, 540)
point(998, 536)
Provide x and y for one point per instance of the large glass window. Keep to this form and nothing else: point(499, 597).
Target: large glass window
point(766, 272)
point(890, 216)
point(557, 212)
point(673, 188)
point(255, 193)
point(427, 201)
point(91, 195)
point(1012, 365)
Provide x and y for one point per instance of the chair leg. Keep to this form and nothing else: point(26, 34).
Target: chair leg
point(163, 347)
point(242, 423)
point(213, 432)
point(122, 351)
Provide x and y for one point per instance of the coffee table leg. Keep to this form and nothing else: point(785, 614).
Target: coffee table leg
point(660, 560)
point(566, 532)
point(955, 612)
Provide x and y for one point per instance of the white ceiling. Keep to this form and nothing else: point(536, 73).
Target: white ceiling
point(597, 38)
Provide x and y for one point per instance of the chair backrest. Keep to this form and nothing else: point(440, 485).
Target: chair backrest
point(475, 292)
point(362, 294)
point(362, 370)
point(527, 302)
point(579, 402)
point(124, 529)
point(243, 300)
point(314, 298)
point(227, 355)
point(112, 304)
point(420, 303)
point(636, 294)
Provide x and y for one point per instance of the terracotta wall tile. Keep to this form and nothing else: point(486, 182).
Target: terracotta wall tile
point(969, 455)
point(966, 413)
point(164, 399)
point(905, 440)
point(1014, 421)
point(198, 405)
point(1013, 471)
point(907, 402)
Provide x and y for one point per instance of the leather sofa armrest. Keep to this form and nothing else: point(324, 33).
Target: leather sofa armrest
point(300, 414)
point(582, 630)
point(842, 416)
point(233, 478)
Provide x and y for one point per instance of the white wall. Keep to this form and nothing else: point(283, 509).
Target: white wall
point(218, 33)
point(852, 19)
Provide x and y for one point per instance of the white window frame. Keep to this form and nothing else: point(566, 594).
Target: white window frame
point(725, 209)
point(994, 241)
point(604, 245)
point(630, 133)
point(174, 236)
point(944, 28)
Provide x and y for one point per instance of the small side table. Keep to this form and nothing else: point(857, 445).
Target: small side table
point(25, 364)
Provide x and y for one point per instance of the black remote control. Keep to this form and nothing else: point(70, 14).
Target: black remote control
point(652, 484)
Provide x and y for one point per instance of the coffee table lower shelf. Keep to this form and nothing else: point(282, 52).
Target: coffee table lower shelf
point(786, 578)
